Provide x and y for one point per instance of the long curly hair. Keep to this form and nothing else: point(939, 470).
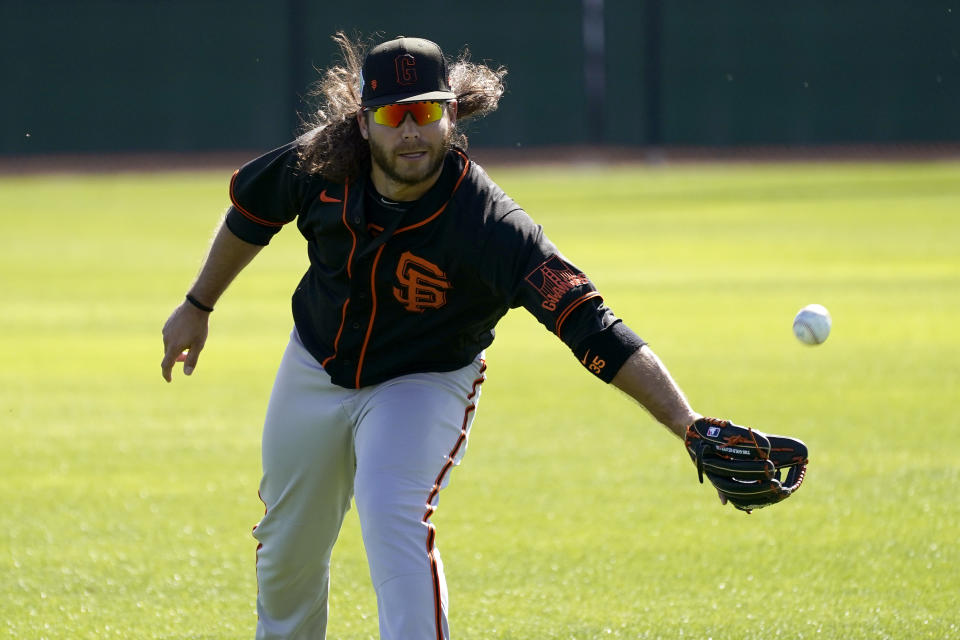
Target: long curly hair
point(331, 144)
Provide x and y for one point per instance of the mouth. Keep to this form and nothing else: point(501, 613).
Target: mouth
point(412, 155)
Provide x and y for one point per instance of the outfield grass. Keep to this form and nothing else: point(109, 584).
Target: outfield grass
point(128, 502)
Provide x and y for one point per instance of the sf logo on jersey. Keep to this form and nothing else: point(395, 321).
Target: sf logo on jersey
point(423, 285)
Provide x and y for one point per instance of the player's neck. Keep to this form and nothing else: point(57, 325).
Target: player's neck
point(378, 200)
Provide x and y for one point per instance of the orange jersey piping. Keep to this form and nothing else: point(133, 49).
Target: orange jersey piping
point(373, 313)
point(573, 305)
point(336, 341)
point(353, 248)
point(463, 174)
point(343, 216)
point(247, 214)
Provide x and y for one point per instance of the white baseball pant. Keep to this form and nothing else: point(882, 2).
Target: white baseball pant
point(391, 446)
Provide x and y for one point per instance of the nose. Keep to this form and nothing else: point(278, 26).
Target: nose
point(409, 128)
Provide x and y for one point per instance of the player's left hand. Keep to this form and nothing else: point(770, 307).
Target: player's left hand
point(745, 465)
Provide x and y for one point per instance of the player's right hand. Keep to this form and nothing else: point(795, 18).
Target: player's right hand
point(184, 335)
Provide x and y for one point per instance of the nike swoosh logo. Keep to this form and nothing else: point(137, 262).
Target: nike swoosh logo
point(325, 198)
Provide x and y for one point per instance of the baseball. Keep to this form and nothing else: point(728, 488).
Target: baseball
point(811, 325)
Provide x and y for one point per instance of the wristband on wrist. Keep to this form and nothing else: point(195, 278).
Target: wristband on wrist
point(198, 304)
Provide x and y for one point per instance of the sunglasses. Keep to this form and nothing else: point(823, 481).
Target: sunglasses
point(392, 115)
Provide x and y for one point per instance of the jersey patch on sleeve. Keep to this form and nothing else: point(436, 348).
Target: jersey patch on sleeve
point(553, 279)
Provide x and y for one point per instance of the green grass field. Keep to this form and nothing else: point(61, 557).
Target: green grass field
point(127, 503)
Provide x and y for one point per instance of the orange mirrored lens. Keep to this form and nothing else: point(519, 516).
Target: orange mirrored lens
point(393, 114)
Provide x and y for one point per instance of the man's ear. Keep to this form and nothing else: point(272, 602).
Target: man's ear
point(452, 109)
point(362, 122)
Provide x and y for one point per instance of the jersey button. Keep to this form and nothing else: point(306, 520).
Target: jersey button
point(356, 325)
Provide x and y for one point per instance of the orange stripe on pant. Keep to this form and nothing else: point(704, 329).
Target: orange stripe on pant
point(435, 492)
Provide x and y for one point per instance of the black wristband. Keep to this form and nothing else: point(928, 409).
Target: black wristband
point(198, 304)
point(605, 352)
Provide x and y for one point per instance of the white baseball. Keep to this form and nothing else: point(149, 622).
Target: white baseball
point(811, 325)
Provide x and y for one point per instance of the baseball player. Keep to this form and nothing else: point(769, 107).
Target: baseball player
point(415, 254)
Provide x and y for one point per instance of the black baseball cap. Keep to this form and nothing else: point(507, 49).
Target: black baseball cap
point(405, 70)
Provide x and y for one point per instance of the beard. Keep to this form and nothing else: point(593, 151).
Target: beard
point(391, 165)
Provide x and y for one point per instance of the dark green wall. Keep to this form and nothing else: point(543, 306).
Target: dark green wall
point(179, 75)
point(97, 76)
point(811, 72)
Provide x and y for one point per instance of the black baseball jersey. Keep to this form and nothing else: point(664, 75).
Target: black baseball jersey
point(390, 293)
